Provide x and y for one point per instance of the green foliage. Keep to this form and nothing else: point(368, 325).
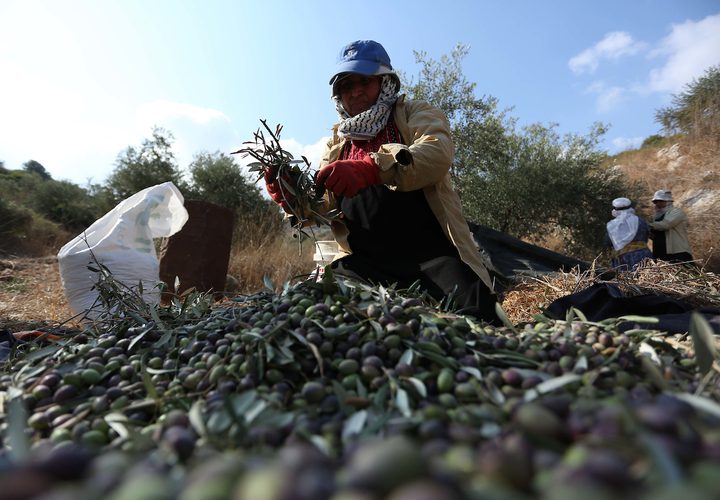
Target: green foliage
point(478, 127)
point(136, 169)
point(551, 185)
point(61, 202)
point(216, 178)
point(17, 186)
point(13, 219)
point(653, 141)
point(67, 204)
point(697, 109)
point(529, 183)
point(35, 167)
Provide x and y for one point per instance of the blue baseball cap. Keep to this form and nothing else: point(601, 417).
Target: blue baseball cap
point(366, 57)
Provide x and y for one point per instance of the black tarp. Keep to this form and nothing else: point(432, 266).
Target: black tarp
point(513, 258)
point(604, 300)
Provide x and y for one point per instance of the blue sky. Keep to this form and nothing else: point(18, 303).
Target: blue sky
point(82, 80)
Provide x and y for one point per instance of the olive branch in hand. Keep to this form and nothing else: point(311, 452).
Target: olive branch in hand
point(295, 178)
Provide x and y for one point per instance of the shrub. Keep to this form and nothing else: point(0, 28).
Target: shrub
point(653, 141)
point(13, 220)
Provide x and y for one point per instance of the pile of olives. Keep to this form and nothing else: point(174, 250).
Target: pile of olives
point(344, 391)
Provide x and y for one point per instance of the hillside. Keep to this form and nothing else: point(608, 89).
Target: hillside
point(691, 170)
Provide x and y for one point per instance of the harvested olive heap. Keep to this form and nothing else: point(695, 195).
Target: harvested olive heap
point(333, 390)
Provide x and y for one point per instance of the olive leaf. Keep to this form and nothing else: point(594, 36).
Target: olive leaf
point(701, 403)
point(402, 402)
point(17, 438)
point(219, 421)
point(147, 382)
point(118, 422)
point(354, 425)
point(407, 357)
point(551, 385)
point(268, 282)
point(254, 411)
point(503, 317)
point(241, 403)
point(296, 179)
point(639, 319)
point(419, 386)
point(196, 418)
point(669, 470)
point(703, 338)
point(472, 371)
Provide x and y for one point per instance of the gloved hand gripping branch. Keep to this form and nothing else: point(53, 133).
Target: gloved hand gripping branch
point(278, 189)
point(347, 177)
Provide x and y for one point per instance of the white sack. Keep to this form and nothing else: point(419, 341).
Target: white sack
point(122, 240)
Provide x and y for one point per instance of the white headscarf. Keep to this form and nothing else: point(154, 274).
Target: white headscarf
point(624, 226)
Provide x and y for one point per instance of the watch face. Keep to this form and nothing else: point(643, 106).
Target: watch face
point(403, 157)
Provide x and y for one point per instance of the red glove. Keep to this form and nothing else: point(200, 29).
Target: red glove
point(347, 177)
point(280, 195)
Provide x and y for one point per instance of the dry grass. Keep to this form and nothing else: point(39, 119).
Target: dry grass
point(697, 288)
point(268, 248)
point(40, 239)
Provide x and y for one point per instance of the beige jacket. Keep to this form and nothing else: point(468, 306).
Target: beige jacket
point(427, 131)
point(674, 224)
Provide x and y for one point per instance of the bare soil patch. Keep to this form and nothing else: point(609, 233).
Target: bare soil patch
point(31, 294)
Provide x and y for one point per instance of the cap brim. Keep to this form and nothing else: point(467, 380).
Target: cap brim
point(366, 68)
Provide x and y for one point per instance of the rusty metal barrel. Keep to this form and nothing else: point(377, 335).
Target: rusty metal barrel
point(198, 255)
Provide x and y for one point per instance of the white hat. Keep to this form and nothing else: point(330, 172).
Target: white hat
point(662, 195)
point(621, 203)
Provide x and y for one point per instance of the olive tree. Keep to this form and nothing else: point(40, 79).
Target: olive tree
point(67, 204)
point(695, 110)
point(527, 182)
point(217, 178)
point(37, 168)
point(150, 164)
point(478, 126)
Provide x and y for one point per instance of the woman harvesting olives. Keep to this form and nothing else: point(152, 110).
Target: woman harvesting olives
point(386, 168)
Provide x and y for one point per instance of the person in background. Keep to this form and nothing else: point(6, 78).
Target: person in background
point(628, 235)
point(669, 230)
point(387, 168)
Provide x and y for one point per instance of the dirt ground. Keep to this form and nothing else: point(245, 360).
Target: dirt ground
point(31, 294)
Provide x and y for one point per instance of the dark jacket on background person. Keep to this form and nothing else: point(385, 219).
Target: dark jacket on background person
point(633, 253)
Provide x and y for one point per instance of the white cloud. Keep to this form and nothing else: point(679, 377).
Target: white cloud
point(608, 97)
point(625, 143)
point(312, 152)
point(195, 128)
point(690, 48)
point(164, 110)
point(613, 46)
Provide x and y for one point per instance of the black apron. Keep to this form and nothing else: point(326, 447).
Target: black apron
point(396, 239)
